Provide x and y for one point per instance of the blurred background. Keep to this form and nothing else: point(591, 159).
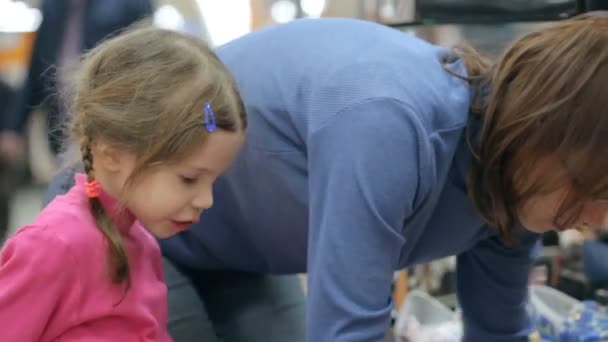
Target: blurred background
point(40, 39)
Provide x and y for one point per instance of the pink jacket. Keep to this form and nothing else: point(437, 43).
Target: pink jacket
point(54, 284)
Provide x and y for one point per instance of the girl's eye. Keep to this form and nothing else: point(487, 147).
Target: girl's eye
point(188, 180)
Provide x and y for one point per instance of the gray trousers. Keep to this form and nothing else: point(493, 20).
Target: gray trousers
point(225, 306)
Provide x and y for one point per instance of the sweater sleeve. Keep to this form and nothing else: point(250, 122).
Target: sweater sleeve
point(36, 275)
point(364, 169)
point(493, 289)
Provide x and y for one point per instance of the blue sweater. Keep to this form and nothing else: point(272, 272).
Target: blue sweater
point(355, 167)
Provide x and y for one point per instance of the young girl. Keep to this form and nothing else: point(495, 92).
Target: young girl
point(157, 118)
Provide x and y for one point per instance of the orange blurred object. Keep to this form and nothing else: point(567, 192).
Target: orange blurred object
point(19, 53)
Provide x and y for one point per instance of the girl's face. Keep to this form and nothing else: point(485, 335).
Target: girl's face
point(169, 198)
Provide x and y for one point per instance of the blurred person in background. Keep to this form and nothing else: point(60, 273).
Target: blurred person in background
point(68, 27)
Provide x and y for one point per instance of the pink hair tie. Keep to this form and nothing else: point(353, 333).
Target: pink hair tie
point(92, 189)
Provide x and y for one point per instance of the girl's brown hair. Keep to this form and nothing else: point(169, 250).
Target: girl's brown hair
point(143, 92)
point(544, 99)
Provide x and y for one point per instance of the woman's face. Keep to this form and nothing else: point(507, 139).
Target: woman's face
point(538, 214)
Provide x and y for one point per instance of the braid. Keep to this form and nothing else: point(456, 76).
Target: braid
point(118, 259)
point(87, 159)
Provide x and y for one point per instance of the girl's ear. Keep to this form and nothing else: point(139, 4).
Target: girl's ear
point(108, 157)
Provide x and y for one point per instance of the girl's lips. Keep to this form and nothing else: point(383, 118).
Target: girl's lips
point(181, 225)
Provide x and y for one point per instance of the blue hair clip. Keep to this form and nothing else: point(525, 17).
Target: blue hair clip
point(209, 118)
